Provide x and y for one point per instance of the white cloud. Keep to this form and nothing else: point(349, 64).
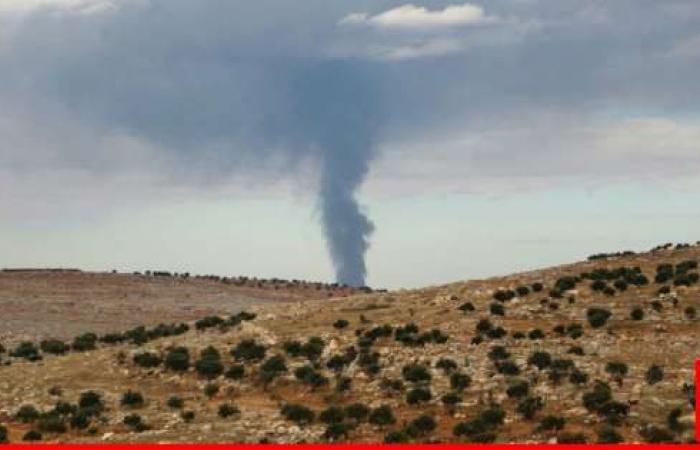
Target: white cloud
point(411, 16)
point(19, 7)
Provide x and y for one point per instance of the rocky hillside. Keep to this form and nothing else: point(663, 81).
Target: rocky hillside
point(597, 351)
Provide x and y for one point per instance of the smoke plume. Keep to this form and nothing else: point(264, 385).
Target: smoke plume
point(336, 106)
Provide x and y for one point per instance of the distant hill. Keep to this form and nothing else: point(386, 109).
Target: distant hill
point(596, 351)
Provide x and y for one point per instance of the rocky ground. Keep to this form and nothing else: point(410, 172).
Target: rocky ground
point(549, 369)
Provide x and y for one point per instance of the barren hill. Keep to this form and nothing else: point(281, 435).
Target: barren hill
point(62, 303)
point(600, 350)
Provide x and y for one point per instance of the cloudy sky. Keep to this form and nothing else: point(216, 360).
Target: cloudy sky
point(478, 138)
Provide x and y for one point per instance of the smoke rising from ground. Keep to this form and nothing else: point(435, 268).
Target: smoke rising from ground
point(336, 106)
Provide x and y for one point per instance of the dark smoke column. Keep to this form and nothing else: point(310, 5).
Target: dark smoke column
point(346, 228)
point(336, 111)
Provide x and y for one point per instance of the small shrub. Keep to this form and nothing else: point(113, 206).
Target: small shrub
point(54, 347)
point(421, 426)
point(175, 402)
point(26, 350)
point(451, 399)
point(535, 334)
point(313, 348)
point(308, 375)
point(397, 437)
point(541, 360)
point(3, 435)
point(597, 317)
point(382, 416)
point(51, 424)
point(235, 372)
point(27, 414)
point(578, 377)
point(32, 436)
point(147, 360)
point(209, 364)
point(484, 326)
point(467, 307)
point(637, 314)
point(497, 309)
point(447, 365)
point(337, 431)
point(84, 342)
point(331, 415)
point(664, 290)
point(298, 414)
point(208, 322)
point(64, 409)
point(135, 422)
point(132, 399)
point(249, 350)
point(518, 389)
point(292, 348)
point(507, 367)
point(211, 389)
point(617, 370)
point(551, 423)
point(91, 403)
point(272, 368)
point(598, 286)
point(460, 381)
point(564, 284)
point(608, 435)
point(621, 285)
point(357, 412)
point(178, 359)
point(187, 416)
point(595, 399)
point(469, 428)
point(227, 410)
point(498, 352)
point(576, 350)
point(504, 295)
point(416, 373)
point(529, 406)
point(574, 331)
point(340, 324)
point(496, 333)
point(493, 416)
point(80, 421)
point(654, 374)
point(613, 411)
point(522, 291)
point(418, 395)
